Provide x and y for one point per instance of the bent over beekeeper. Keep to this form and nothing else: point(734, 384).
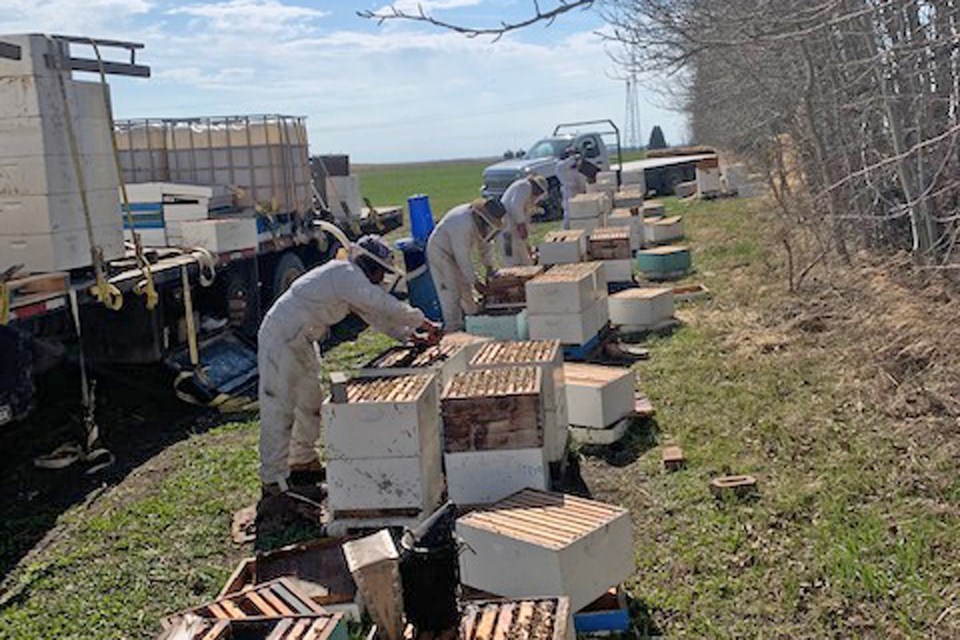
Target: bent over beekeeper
point(520, 199)
point(289, 355)
point(449, 254)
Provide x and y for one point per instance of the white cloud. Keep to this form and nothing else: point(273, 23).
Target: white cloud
point(92, 17)
point(243, 15)
point(414, 6)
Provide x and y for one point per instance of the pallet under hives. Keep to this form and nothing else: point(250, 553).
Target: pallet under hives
point(527, 618)
point(310, 627)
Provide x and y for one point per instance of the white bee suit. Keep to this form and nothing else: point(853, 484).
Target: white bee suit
point(289, 362)
point(518, 200)
point(571, 183)
point(449, 254)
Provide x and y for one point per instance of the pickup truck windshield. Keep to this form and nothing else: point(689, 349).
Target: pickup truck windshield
point(548, 148)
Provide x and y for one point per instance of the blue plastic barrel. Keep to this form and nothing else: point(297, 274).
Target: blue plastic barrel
point(420, 289)
point(421, 218)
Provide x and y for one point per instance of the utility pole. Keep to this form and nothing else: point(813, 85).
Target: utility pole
point(632, 135)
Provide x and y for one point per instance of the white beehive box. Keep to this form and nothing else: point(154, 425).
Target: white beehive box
point(547, 543)
point(563, 246)
point(484, 477)
point(588, 205)
point(383, 445)
point(586, 224)
point(217, 236)
point(547, 355)
point(570, 328)
point(60, 250)
point(708, 179)
point(626, 218)
point(506, 325)
point(566, 288)
point(618, 270)
point(598, 396)
point(627, 199)
point(641, 309)
point(635, 180)
point(664, 230)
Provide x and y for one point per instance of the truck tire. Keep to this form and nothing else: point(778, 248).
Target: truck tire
point(289, 268)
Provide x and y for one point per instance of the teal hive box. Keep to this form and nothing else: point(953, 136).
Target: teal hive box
point(500, 326)
point(664, 263)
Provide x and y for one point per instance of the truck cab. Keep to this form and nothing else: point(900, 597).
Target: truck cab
point(541, 159)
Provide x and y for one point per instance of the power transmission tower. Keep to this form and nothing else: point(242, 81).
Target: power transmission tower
point(631, 133)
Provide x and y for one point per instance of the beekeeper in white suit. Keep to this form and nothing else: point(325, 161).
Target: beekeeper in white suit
point(289, 359)
point(571, 180)
point(520, 200)
point(449, 254)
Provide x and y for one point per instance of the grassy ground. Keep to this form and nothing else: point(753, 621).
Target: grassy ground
point(838, 544)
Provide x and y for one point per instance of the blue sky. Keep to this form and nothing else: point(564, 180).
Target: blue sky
point(388, 93)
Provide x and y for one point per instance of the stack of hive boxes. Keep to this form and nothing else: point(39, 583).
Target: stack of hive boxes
point(568, 303)
point(564, 246)
point(161, 210)
point(547, 355)
point(505, 288)
point(493, 434)
point(42, 221)
point(611, 247)
point(587, 211)
point(708, 178)
point(632, 219)
point(599, 398)
point(382, 444)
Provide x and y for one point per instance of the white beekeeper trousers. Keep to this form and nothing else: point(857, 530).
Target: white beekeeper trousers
point(513, 248)
point(291, 395)
point(454, 291)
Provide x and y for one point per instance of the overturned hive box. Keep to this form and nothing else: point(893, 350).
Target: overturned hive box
point(597, 396)
point(382, 445)
point(547, 355)
point(642, 308)
point(493, 434)
point(563, 246)
point(610, 243)
point(548, 543)
point(506, 287)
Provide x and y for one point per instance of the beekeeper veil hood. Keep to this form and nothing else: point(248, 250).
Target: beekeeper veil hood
point(490, 212)
point(374, 248)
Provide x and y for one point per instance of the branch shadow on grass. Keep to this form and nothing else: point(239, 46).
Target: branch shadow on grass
point(642, 435)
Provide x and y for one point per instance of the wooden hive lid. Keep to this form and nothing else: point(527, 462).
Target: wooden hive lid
point(564, 235)
point(587, 197)
point(667, 221)
point(393, 389)
point(642, 293)
point(592, 375)
point(623, 213)
point(522, 352)
point(523, 271)
point(487, 383)
point(543, 518)
point(531, 618)
point(664, 251)
point(568, 272)
point(610, 233)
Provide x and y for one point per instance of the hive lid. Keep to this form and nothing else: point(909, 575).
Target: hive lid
point(588, 197)
point(564, 235)
point(523, 352)
point(568, 272)
point(393, 389)
point(532, 618)
point(592, 375)
point(623, 213)
point(610, 233)
point(487, 383)
point(664, 251)
point(667, 221)
point(551, 520)
point(642, 293)
point(524, 271)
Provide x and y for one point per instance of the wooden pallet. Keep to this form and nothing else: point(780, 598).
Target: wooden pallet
point(313, 627)
point(274, 599)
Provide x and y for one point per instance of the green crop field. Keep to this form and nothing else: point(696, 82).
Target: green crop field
point(853, 534)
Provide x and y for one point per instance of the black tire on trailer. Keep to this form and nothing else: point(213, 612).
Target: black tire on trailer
point(289, 268)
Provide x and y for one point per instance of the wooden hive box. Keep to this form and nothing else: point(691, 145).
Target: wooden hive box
point(506, 287)
point(449, 357)
point(563, 246)
point(567, 288)
point(547, 355)
point(640, 309)
point(653, 209)
point(627, 198)
point(663, 230)
point(532, 618)
point(588, 205)
point(597, 396)
point(493, 434)
point(610, 243)
point(385, 434)
point(587, 224)
point(547, 543)
point(664, 263)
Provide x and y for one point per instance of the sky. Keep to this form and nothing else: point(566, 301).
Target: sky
point(394, 92)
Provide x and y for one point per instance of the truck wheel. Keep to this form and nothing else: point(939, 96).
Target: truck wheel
point(289, 268)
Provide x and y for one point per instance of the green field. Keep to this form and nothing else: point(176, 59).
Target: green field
point(837, 544)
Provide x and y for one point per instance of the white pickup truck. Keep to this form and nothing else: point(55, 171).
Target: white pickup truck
point(541, 159)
